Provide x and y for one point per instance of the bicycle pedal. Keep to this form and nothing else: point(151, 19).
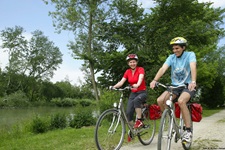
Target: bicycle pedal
point(146, 126)
point(140, 130)
point(184, 142)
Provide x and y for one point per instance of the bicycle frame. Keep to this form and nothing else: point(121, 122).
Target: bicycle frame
point(174, 127)
point(111, 126)
point(122, 113)
point(171, 108)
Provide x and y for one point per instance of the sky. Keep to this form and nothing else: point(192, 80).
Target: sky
point(33, 15)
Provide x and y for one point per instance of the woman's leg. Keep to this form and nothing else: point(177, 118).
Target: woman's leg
point(130, 107)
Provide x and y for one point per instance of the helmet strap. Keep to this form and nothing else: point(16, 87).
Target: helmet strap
point(180, 55)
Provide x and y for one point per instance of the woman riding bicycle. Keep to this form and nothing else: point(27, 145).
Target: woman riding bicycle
point(135, 76)
point(183, 71)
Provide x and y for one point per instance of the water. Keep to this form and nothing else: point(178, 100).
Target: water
point(11, 116)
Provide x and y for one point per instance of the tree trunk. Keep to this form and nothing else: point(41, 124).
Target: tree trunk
point(91, 62)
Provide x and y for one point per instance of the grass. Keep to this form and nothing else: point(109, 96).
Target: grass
point(65, 139)
point(209, 112)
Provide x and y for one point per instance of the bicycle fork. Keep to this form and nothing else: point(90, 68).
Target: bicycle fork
point(116, 116)
point(115, 122)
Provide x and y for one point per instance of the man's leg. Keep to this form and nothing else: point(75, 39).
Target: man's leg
point(161, 100)
point(182, 101)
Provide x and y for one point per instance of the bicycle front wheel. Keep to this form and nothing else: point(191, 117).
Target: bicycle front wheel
point(165, 131)
point(148, 131)
point(110, 130)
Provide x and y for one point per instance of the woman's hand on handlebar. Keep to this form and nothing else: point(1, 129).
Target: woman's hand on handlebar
point(111, 87)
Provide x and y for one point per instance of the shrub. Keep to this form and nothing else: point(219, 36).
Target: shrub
point(85, 102)
point(82, 118)
point(17, 99)
point(107, 100)
point(39, 125)
point(66, 102)
point(58, 121)
point(3, 102)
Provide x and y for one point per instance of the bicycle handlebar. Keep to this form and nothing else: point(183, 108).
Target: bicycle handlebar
point(170, 87)
point(120, 89)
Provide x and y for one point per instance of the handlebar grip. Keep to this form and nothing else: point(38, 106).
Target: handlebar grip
point(111, 88)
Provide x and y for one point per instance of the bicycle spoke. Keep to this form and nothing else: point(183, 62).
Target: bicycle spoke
point(148, 131)
point(110, 130)
point(165, 132)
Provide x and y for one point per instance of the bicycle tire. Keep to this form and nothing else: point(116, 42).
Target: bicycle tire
point(186, 145)
point(165, 131)
point(148, 133)
point(105, 138)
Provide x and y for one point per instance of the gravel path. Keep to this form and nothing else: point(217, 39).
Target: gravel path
point(208, 134)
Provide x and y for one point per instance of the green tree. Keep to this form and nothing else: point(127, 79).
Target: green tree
point(199, 23)
point(215, 94)
point(67, 89)
point(86, 19)
point(36, 58)
point(14, 43)
point(123, 35)
point(48, 91)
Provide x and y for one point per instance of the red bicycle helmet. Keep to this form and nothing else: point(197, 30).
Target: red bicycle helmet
point(132, 56)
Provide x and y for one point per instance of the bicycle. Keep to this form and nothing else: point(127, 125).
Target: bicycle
point(110, 127)
point(170, 125)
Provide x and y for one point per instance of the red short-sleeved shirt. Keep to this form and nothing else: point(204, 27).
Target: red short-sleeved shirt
point(133, 79)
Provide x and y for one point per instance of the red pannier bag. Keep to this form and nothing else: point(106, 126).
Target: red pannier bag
point(196, 112)
point(177, 110)
point(155, 112)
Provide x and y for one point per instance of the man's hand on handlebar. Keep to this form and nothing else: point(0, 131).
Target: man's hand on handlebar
point(153, 84)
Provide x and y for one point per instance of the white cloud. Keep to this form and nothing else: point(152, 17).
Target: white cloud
point(150, 3)
point(216, 3)
point(66, 72)
point(3, 58)
point(146, 3)
point(27, 35)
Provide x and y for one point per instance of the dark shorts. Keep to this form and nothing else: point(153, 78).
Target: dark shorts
point(178, 92)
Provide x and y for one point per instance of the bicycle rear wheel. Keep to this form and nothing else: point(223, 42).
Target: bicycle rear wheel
point(187, 145)
point(110, 130)
point(148, 131)
point(165, 131)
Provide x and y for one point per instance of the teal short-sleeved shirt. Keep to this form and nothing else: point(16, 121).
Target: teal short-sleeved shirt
point(180, 67)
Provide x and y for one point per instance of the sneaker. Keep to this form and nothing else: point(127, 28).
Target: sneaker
point(187, 136)
point(138, 124)
point(130, 136)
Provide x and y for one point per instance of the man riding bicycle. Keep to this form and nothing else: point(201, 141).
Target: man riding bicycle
point(183, 71)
